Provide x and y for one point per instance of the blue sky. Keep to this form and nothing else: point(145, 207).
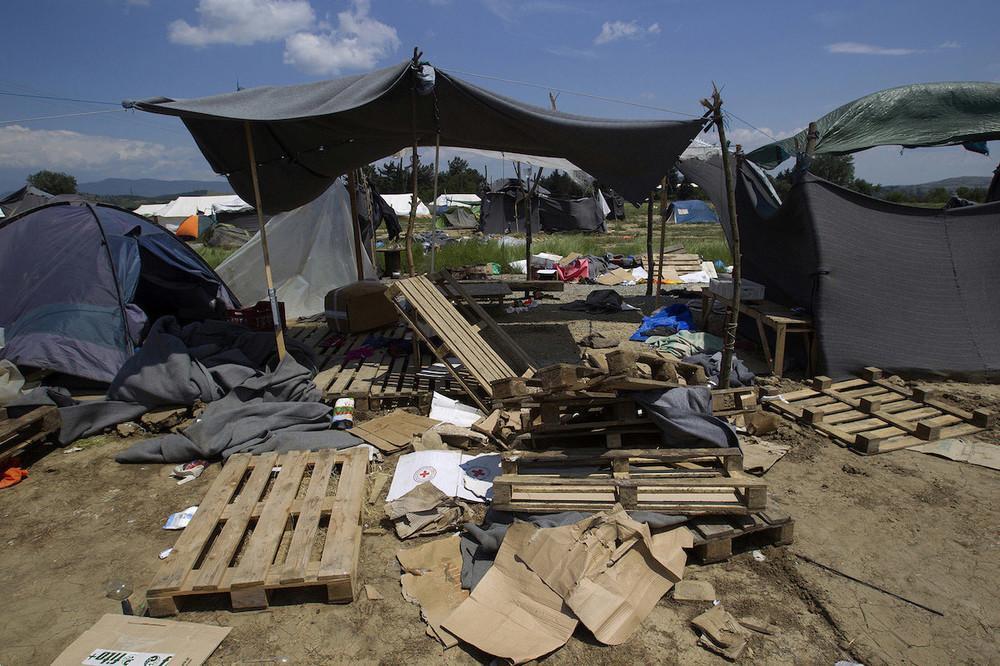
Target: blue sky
point(779, 65)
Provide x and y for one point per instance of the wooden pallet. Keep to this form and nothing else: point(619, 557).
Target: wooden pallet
point(259, 530)
point(677, 481)
point(431, 317)
point(380, 381)
point(19, 433)
point(871, 415)
point(717, 539)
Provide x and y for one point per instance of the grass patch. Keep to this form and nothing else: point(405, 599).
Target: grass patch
point(213, 256)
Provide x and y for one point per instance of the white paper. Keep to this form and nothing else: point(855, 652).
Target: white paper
point(180, 520)
point(639, 273)
point(104, 657)
point(696, 278)
point(451, 411)
point(454, 473)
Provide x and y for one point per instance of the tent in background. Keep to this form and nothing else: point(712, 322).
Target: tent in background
point(694, 211)
point(91, 276)
point(312, 252)
point(149, 210)
point(194, 227)
point(24, 199)
point(457, 218)
point(401, 203)
point(457, 200)
point(171, 215)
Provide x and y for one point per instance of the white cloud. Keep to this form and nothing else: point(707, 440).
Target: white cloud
point(358, 42)
point(612, 31)
point(857, 48)
point(243, 22)
point(950, 44)
point(65, 150)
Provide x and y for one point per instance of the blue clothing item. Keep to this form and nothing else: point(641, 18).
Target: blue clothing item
point(677, 315)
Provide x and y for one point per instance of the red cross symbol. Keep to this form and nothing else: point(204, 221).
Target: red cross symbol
point(477, 472)
point(424, 474)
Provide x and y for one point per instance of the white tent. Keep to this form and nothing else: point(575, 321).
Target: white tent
point(457, 200)
point(149, 210)
point(181, 208)
point(401, 204)
point(312, 252)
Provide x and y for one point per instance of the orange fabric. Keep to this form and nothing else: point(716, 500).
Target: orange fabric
point(188, 228)
point(12, 475)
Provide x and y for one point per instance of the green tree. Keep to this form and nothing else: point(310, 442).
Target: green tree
point(53, 182)
point(838, 169)
point(561, 184)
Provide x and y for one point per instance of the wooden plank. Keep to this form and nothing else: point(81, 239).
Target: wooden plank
point(340, 553)
point(307, 523)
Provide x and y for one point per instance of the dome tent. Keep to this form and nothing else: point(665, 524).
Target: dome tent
point(91, 276)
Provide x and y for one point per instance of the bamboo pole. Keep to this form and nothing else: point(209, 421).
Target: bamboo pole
point(437, 167)
point(415, 165)
point(352, 191)
point(272, 295)
point(663, 236)
point(649, 243)
point(733, 316)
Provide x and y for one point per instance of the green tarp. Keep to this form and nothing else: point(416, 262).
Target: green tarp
point(924, 114)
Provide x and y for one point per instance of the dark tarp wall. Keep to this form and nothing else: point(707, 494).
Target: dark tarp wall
point(90, 277)
point(24, 199)
point(459, 218)
point(911, 290)
point(307, 135)
point(496, 215)
point(557, 214)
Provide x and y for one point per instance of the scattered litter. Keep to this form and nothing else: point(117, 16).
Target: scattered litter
point(73, 449)
point(394, 431)
point(189, 471)
point(180, 520)
point(721, 633)
point(759, 626)
point(759, 455)
point(11, 474)
point(451, 411)
point(694, 590)
point(432, 578)
point(165, 553)
point(343, 414)
point(425, 511)
point(970, 451)
point(373, 594)
point(123, 639)
point(758, 556)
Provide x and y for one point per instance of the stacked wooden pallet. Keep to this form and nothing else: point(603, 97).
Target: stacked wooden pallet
point(679, 481)
point(17, 434)
point(270, 522)
point(871, 415)
point(717, 538)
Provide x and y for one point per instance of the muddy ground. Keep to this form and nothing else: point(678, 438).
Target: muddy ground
point(923, 527)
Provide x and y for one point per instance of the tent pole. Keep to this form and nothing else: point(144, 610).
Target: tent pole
point(811, 137)
point(272, 295)
point(415, 166)
point(352, 190)
point(527, 218)
point(649, 243)
point(733, 316)
point(663, 235)
point(437, 167)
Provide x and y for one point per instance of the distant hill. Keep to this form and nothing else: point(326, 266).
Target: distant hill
point(950, 184)
point(151, 187)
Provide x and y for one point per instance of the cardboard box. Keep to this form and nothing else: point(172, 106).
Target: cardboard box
point(360, 306)
point(749, 290)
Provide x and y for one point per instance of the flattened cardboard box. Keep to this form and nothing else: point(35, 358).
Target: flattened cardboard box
point(115, 638)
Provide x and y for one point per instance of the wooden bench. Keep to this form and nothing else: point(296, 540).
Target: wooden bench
point(782, 320)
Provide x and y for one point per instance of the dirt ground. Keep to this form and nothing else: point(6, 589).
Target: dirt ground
point(922, 527)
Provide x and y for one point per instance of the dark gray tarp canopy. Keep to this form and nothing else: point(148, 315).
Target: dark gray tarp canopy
point(907, 289)
point(26, 198)
point(923, 114)
point(307, 135)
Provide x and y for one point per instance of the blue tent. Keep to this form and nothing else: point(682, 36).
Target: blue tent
point(694, 211)
point(81, 282)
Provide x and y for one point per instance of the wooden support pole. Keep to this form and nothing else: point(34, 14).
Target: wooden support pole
point(664, 210)
point(527, 217)
point(352, 191)
point(437, 167)
point(812, 136)
point(732, 321)
point(414, 164)
point(649, 243)
point(272, 295)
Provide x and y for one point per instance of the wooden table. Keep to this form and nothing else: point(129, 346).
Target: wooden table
point(781, 319)
point(480, 291)
point(393, 258)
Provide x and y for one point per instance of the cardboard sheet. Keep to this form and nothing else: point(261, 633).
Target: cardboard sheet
point(393, 432)
point(609, 568)
point(617, 276)
point(971, 451)
point(760, 455)
point(432, 578)
point(145, 640)
point(425, 511)
point(454, 473)
point(512, 614)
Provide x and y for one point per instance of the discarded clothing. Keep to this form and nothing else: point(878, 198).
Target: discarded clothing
point(599, 301)
point(739, 374)
point(676, 316)
point(425, 511)
point(480, 543)
point(574, 270)
point(684, 415)
point(686, 343)
point(12, 474)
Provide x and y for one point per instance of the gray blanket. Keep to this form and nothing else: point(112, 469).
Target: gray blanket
point(684, 415)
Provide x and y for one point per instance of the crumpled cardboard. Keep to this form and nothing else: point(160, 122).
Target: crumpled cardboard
point(432, 579)
point(512, 614)
point(721, 633)
point(425, 511)
point(609, 569)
